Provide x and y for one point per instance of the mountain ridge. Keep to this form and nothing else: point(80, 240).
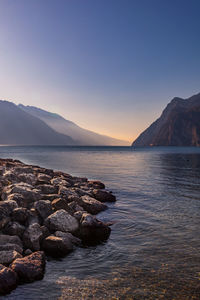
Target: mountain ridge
point(178, 125)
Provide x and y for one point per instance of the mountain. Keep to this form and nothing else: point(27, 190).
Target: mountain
point(61, 125)
point(20, 128)
point(179, 125)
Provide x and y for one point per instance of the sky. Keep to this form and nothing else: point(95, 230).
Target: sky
point(110, 66)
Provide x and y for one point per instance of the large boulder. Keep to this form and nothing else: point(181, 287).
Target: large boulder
point(32, 237)
point(57, 246)
point(91, 205)
point(96, 184)
point(13, 247)
point(92, 230)
point(30, 268)
point(68, 236)
point(8, 280)
point(103, 196)
point(62, 221)
point(8, 256)
point(43, 178)
point(43, 207)
point(27, 178)
point(19, 199)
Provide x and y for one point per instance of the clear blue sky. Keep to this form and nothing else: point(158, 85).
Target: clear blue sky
point(109, 65)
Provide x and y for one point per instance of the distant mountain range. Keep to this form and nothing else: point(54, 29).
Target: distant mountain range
point(179, 125)
point(28, 125)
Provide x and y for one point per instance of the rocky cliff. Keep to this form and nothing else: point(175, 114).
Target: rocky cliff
point(178, 125)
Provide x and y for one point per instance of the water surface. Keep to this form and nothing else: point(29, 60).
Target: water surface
point(154, 248)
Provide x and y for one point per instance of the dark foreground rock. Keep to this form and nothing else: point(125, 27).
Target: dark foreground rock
point(42, 209)
point(30, 268)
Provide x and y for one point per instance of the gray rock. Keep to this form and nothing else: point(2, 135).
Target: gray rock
point(32, 237)
point(60, 203)
point(8, 256)
point(26, 190)
point(27, 252)
point(68, 236)
point(27, 178)
point(57, 246)
point(19, 199)
point(91, 205)
point(33, 217)
point(43, 178)
point(43, 207)
point(61, 221)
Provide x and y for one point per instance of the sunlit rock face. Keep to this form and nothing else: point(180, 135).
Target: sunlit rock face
point(179, 125)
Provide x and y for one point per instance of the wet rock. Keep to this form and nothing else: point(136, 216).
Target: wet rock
point(104, 196)
point(48, 189)
point(8, 256)
point(92, 230)
point(8, 280)
point(32, 237)
point(43, 207)
point(57, 246)
point(14, 228)
point(30, 268)
point(61, 221)
point(91, 205)
point(20, 215)
point(60, 203)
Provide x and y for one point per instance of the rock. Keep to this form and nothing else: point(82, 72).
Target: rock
point(9, 246)
point(91, 205)
point(78, 214)
point(57, 246)
point(96, 184)
point(27, 252)
point(20, 215)
point(14, 228)
point(6, 207)
point(19, 199)
point(32, 237)
point(30, 268)
point(104, 196)
point(43, 207)
point(33, 217)
point(48, 189)
point(7, 239)
point(27, 178)
point(26, 190)
point(58, 181)
point(75, 207)
point(8, 256)
point(93, 231)
point(59, 203)
point(49, 197)
point(61, 221)
point(8, 280)
point(43, 178)
point(68, 236)
point(65, 193)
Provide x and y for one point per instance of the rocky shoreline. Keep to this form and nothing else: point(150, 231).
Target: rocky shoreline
point(43, 211)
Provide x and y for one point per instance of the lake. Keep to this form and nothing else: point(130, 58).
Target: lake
point(154, 248)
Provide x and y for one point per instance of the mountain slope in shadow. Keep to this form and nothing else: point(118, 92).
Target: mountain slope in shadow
point(20, 128)
point(179, 125)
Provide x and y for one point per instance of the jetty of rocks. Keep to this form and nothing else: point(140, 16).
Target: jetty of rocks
point(43, 211)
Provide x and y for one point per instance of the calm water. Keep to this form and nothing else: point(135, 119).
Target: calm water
point(154, 248)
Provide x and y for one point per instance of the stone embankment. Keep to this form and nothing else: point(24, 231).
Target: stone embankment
point(44, 212)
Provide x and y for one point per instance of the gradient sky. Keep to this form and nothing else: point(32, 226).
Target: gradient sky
point(110, 66)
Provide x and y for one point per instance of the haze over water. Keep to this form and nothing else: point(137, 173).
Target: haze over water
point(154, 249)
